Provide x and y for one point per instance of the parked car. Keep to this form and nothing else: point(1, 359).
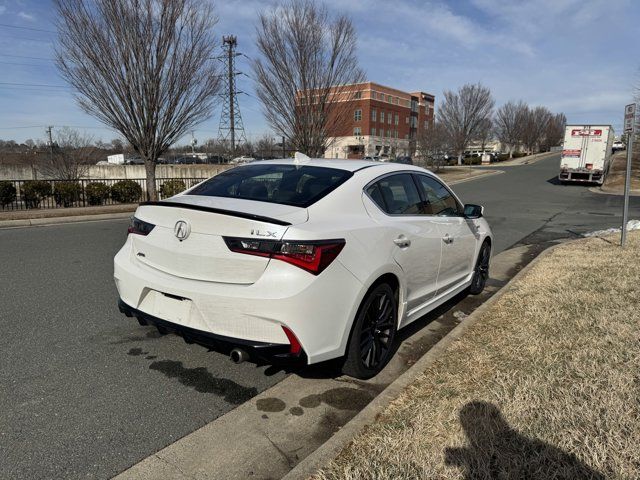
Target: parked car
point(403, 160)
point(302, 260)
point(242, 160)
point(618, 145)
point(369, 158)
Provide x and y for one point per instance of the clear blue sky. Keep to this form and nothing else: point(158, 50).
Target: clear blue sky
point(575, 56)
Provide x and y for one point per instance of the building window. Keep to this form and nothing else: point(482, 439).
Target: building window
point(357, 115)
point(358, 95)
point(357, 132)
point(396, 133)
point(373, 115)
point(382, 132)
point(396, 100)
point(382, 116)
point(389, 119)
point(373, 131)
point(389, 98)
point(373, 95)
point(396, 119)
point(406, 120)
point(388, 133)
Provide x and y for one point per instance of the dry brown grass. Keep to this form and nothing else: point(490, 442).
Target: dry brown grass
point(617, 174)
point(544, 386)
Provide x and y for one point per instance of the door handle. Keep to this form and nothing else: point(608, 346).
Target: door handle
point(402, 241)
point(447, 238)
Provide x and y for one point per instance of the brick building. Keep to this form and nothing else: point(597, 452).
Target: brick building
point(380, 120)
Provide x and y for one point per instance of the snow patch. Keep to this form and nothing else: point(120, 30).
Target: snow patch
point(631, 225)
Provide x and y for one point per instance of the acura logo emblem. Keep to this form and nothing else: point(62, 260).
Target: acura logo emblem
point(181, 230)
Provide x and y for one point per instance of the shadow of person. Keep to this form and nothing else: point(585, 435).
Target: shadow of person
point(496, 451)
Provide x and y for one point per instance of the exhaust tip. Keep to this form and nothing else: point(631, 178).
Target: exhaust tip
point(238, 355)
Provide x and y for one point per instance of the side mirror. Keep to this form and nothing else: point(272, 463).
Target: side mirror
point(473, 211)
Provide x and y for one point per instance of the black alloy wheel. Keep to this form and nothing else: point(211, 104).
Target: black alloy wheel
point(481, 272)
point(371, 344)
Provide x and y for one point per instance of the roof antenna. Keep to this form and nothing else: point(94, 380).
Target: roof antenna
point(300, 159)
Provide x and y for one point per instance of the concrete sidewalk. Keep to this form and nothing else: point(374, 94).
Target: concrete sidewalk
point(26, 218)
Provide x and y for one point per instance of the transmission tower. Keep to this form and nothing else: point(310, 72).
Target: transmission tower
point(230, 129)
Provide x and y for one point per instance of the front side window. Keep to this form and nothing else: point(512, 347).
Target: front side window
point(439, 200)
point(396, 195)
point(300, 186)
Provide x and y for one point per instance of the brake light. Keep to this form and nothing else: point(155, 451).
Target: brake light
point(312, 256)
point(140, 227)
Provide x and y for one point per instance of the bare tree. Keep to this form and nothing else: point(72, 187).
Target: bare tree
point(535, 126)
point(432, 144)
point(142, 67)
point(308, 59)
point(71, 154)
point(509, 123)
point(463, 112)
point(485, 132)
point(554, 133)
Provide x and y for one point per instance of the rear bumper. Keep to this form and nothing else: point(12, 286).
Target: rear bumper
point(273, 353)
point(318, 310)
point(583, 176)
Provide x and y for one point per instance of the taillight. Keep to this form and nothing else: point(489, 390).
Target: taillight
point(140, 227)
point(312, 256)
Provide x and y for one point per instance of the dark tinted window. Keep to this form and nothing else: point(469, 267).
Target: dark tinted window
point(396, 195)
point(300, 186)
point(440, 201)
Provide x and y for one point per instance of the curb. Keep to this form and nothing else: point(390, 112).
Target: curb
point(332, 447)
point(34, 222)
point(477, 177)
point(601, 191)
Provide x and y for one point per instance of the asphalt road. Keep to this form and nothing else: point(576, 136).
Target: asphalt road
point(87, 392)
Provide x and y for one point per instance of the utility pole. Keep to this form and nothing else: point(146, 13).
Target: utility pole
point(230, 128)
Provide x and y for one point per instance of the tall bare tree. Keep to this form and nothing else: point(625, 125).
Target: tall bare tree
point(142, 67)
point(463, 112)
point(71, 154)
point(432, 143)
point(485, 132)
point(307, 59)
point(509, 123)
point(554, 133)
point(535, 126)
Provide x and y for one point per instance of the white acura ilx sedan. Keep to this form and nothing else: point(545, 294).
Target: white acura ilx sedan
point(302, 260)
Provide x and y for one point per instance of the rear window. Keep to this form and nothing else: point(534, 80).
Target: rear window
point(300, 186)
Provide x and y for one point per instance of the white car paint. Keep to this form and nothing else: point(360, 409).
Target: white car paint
point(201, 284)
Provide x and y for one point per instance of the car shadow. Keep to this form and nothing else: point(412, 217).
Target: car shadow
point(496, 450)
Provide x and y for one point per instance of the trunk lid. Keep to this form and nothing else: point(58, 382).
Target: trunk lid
point(202, 254)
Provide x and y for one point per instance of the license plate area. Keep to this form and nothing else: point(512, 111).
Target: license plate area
point(170, 307)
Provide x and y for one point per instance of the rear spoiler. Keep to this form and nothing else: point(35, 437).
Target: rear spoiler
point(231, 213)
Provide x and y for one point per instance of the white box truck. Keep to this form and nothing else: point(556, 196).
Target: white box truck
point(586, 153)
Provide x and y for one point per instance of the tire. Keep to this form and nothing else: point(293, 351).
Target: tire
point(371, 344)
point(481, 270)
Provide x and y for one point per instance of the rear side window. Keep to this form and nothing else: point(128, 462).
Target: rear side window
point(396, 195)
point(300, 186)
point(439, 200)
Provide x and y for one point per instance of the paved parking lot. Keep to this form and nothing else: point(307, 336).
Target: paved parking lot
point(87, 392)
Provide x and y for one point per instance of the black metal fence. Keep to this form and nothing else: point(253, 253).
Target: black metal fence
point(40, 194)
